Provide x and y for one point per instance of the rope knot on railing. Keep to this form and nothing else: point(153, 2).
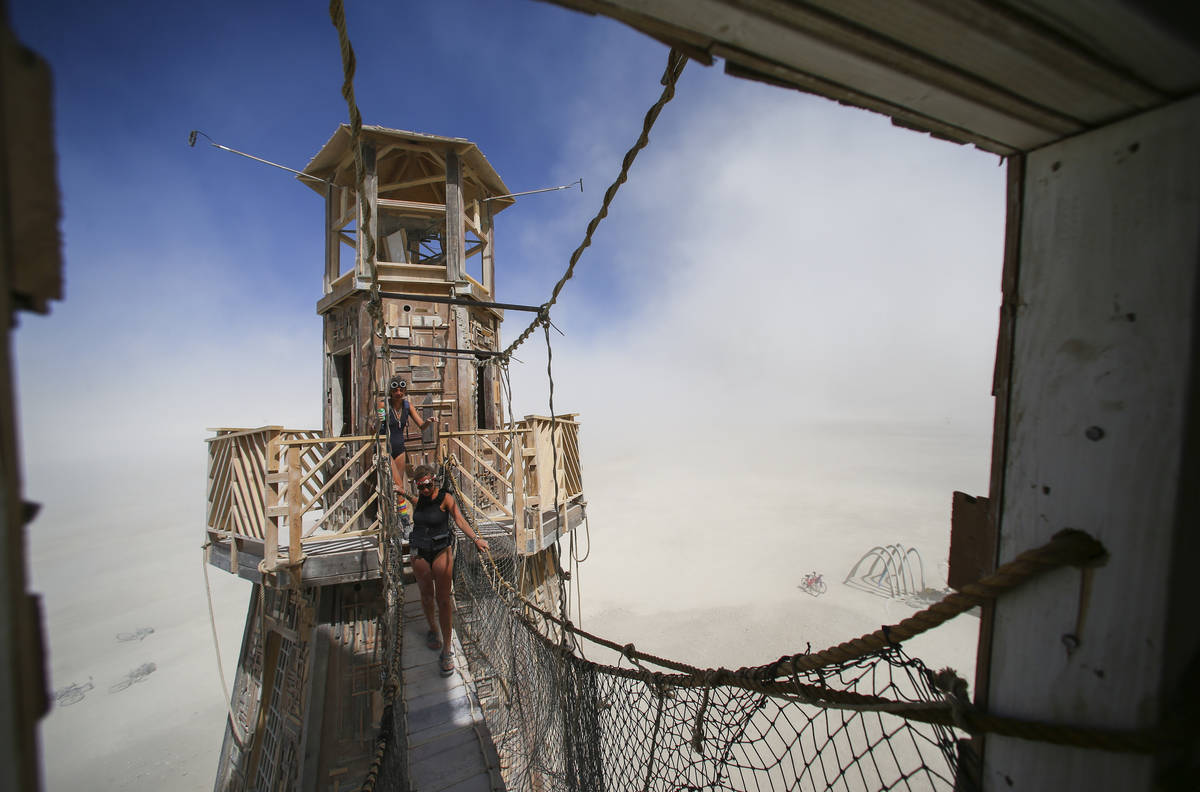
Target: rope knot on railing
point(629, 651)
point(955, 692)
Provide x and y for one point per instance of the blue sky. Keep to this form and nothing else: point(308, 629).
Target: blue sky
point(771, 249)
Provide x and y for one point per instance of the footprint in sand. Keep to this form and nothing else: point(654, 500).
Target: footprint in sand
point(133, 677)
point(72, 693)
point(139, 635)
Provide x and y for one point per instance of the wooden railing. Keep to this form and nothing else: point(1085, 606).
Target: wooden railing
point(271, 482)
point(497, 483)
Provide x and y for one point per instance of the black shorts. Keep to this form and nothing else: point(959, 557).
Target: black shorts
point(430, 554)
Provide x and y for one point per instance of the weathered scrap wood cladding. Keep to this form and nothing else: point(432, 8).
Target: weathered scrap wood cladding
point(305, 699)
point(431, 202)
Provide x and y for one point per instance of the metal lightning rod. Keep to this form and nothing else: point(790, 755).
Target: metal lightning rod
point(192, 142)
point(531, 192)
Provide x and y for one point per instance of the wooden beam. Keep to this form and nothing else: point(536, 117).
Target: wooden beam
point(295, 503)
point(1001, 385)
point(243, 564)
point(347, 207)
point(464, 368)
point(489, 254)
point(403, 185)
point(473, 223)
point(332, 245)
point(396, 205)
point(232, 433)
point(369, 214)
point(518, 486)
point(455, 218)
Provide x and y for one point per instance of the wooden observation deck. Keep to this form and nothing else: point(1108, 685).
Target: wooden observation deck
point(297, 514)
point(277, 494)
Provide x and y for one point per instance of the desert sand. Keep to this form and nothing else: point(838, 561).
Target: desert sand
point(117, 560)
point(700, 562)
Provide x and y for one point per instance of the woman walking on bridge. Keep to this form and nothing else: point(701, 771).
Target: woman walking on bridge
point(433, 559)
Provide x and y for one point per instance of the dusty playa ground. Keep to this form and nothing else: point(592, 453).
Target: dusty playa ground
point(700, 563)
point(706, 566)
point(136, 699)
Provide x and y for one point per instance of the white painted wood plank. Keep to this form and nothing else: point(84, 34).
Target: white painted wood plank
point(810, 54)
point(1109, 252)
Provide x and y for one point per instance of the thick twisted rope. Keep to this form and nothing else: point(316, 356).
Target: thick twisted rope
point(392, 575)
point(1067, 548)
point(675, 63)
point(349, 64)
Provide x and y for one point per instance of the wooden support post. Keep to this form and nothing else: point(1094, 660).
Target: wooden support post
point(333, 245)
point(465, 385)
point(271, 544)
point(453, 247)
point(274, 435)
point(295, 505)
point(489, 252)
point(1001, 380)
point(371, 185)
point(517, 477)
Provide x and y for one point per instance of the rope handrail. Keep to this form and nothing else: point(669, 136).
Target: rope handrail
point(676, 60)
point(779, 679)
point(1067, 548)
point(944, 713)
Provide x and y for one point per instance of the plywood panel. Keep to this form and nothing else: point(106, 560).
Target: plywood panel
point(1100, 397)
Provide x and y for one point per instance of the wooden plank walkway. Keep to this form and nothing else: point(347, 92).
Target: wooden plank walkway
point(449, 745)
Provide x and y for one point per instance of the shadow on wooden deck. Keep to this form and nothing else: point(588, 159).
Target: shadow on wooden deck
point(449, 745)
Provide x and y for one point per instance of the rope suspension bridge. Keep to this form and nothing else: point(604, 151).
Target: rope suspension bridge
point(860, 715)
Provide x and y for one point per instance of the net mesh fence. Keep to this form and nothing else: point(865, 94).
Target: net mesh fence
point(561, 721)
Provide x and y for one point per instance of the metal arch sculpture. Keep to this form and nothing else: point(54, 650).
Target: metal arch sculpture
point(889, 571)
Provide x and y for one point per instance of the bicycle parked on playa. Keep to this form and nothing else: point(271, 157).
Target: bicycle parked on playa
point(814, 584)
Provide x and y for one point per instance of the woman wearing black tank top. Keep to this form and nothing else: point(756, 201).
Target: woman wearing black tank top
point(433, 560)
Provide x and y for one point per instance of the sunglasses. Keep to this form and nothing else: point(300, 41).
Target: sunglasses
point(426, 484)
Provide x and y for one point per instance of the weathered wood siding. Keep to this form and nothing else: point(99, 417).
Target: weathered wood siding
point(1103, 389)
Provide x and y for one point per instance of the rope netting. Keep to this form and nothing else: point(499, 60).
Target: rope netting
point(861, 715)
point(564, 722)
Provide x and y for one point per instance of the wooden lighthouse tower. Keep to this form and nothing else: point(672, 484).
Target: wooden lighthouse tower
point(298, 511)
point(430, 203)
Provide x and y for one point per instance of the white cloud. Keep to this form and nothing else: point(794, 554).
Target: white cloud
point(792, 259)
point(797, 352)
